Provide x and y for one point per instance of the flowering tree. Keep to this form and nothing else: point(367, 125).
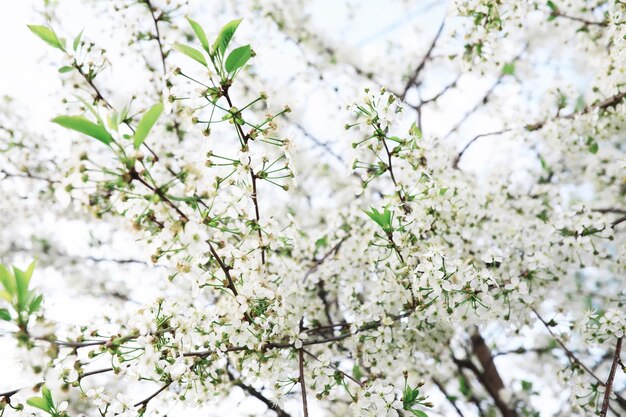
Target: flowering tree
point(344, 260)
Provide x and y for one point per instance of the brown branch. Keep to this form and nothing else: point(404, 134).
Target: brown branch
point(316, 141)
point(413, 78)
point(28, 175)
point(618, 221)
point(224, 268)
point(602, 105)
point(8, 394)
point(144, 403)
point(489, 377)
point(320, 261)
point(89, 80)
point(485, 98)
point(558, 13)
point(158, 34)
point(455, 164)
point(522, 351)
point(436, 96)
point(381, 136)
point(332, 366)
point(450, 398)
point(609, 382)
point(481, 102)
point(97, 372)
point(610, 210)
point(305, 407)
point(259, 396)
point(575, 361)
point(253, 177)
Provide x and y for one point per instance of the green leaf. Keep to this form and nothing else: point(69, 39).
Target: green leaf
point(415, 131)
point(580, 104)
point(47, 35)
point(592, 145)
point(192, 53)
point(383, 219)
point(4, 314)
point(238, 58)
point(553, 7)
point(321, 242)
point(22, 280)
point(225, 36)
point(65, 68)
point(47, 395)
point(39, 402)
point(35, 304)
point(410, 395)
point(77, 40)
point(419, 413)
point(82, 125)
point(509, 68)
point(5, 295)
point(145, 124)
point(464, 387)
point(22, 288)
point(113, 121)
point(7, 280)
point(197, 29)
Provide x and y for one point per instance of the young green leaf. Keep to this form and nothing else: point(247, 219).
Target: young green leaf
point(4, 314)
point(383, 219)
point(82, 125)
point(8, 281)
point(415, 131)
point(197, 29)
point(22, 280)
point(145, 124)
point(39, 402)
point(65, 68)
point(91, 109)
point(47, 395)
point(35, 304)
point(47, 35)
point(238, 58)
point(419, 413)
point(508, 68)
point(77, 40)
point(553, 7)
point(592, 145)
point(192, 53)
point(225, 36)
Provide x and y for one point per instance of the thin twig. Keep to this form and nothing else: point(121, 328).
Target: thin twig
point(253, 177)
point(587, 22)
point(158, 34)
point(455, 164)
point(145, 401)
point(305, 407)
point(258, 395)
point(450, 398)
point(609, 382)
point(413, 78)
point(331, 365)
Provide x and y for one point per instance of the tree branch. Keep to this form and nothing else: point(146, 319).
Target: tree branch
point(414, 76)
point(609, 382)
